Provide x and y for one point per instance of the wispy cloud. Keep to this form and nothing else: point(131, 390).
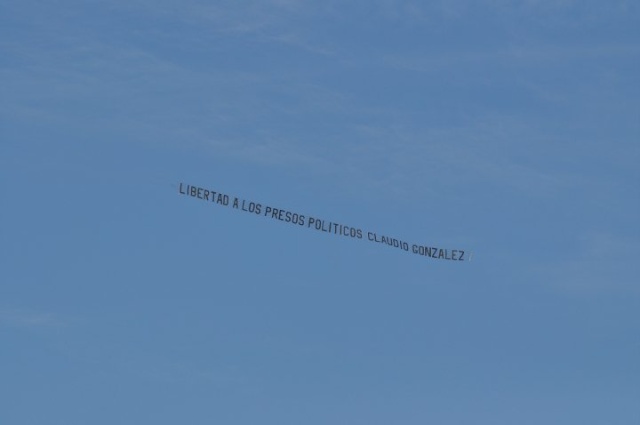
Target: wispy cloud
point(602, 261)
point(18, 318)
point(269, 115)
point(538, 55)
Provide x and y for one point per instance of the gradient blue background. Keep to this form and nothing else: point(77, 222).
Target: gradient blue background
point(510, 128)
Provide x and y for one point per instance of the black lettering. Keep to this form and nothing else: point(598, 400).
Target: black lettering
point(251, 207)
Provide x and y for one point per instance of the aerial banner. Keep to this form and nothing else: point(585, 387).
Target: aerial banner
point(321, 225)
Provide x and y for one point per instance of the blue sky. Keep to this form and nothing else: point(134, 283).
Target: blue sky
point(507, 128)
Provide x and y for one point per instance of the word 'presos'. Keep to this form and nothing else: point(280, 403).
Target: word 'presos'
point(318, 224)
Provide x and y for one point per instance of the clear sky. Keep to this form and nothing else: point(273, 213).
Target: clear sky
point(510, 128)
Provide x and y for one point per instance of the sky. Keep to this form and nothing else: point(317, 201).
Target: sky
point(506, 128)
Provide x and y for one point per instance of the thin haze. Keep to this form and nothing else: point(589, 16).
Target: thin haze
point(509, 128)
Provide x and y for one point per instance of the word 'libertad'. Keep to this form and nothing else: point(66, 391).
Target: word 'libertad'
point(318, 224)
